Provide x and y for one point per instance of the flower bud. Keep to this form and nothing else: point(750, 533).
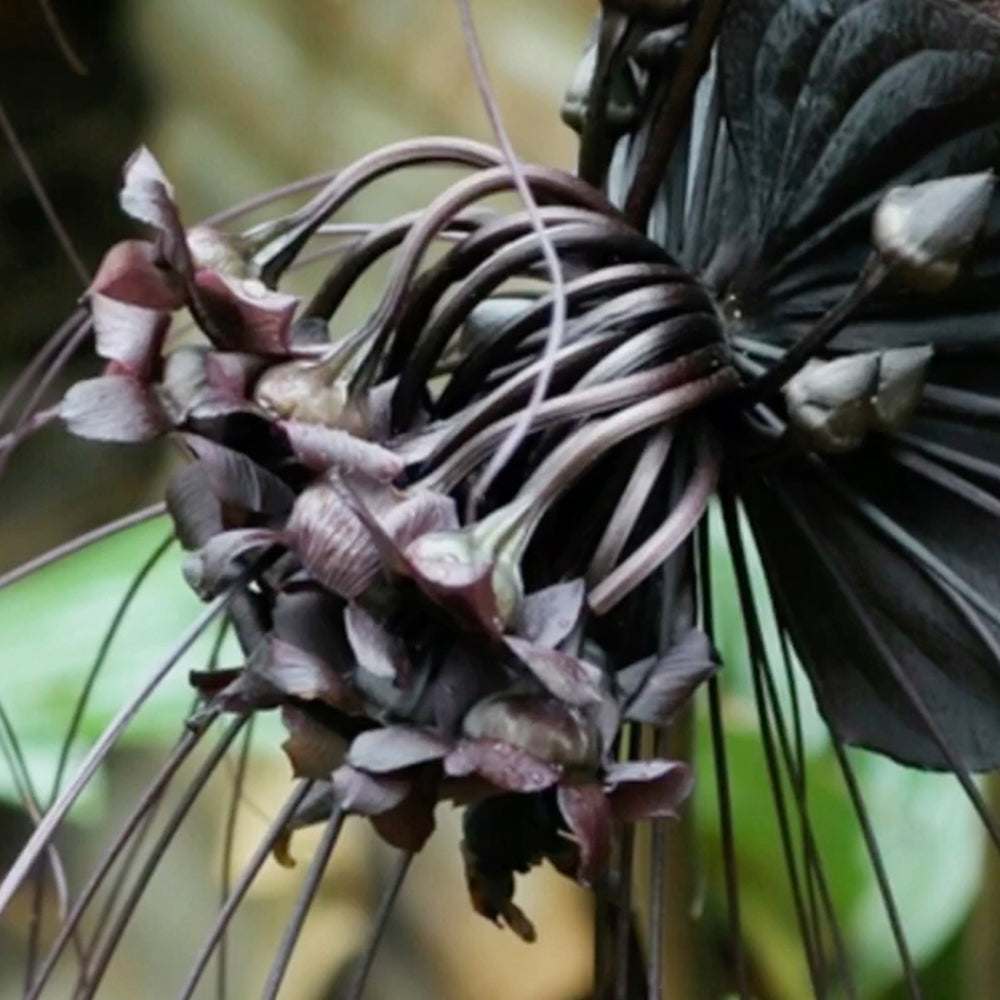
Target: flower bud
point(834, 404)
point(217, 251)
point(924, 232)
point(305, 391)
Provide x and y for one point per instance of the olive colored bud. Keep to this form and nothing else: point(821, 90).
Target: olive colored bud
point(306, 391)
point(217, 251)
point(924, 232)
point(546, 728)
point(833, 404)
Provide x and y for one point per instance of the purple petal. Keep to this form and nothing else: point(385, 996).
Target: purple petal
point(547, 616)
point(570, 679)
point(330, 539)
point(540, 725)
point(238, 690)
point(395, 520)
point(309, 616)
point(245, 315)
point(182, 382)
point(145, 189)
point(461, 680)
point(193, 507)
point(502, 764)
point(463, 586)
point(420, 512)
point(408, 825)
point(129, 335)
point(211, 248)
point(114, 408)
point(393, 748)
point(375, 648)
point(319, 448)
point(232, 373)
point(647, 789)
point(128, 274)
point(314, 750)
point(239, 481)
point(299, 674)
point(655, 690)
point(588, 816)
point(363, 793)
point(223, 558)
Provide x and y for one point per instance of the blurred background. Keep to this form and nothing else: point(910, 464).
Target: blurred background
point(234, 97)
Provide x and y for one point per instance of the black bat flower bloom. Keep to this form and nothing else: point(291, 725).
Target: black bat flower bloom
point(464, 545)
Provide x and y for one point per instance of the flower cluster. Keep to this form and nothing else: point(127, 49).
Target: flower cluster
point(428, 634)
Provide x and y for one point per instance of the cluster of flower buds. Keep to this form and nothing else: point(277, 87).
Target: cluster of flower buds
point(425, 633)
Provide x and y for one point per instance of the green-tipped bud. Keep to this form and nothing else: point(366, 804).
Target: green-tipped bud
point(924, 232)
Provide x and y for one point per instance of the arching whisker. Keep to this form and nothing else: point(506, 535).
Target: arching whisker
point(139, 815)
point(875, 856)
point(92, 974)
point(379, 921)
point(314, 874)
point(228, 843)
point(274, 833)
point(38, 188)
point(281, 242)
point(57, 812)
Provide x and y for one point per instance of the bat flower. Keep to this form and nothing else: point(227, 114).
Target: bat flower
point(463, 545)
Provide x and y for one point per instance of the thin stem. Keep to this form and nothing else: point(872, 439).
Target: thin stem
point(828, 325)
point(271, 837)
point(720, 760)
point(91, 976)
point(69, 54)
point(754, 642)
point(673, 114)
point(28, 375)
point(80, 542)
point(109, 636)
point(228, 842)
point(379, 923)
point(314, 875)
point(151, 796)
point(42, 197)
point(881, 877)
point(50, 822)
point(10, 440)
